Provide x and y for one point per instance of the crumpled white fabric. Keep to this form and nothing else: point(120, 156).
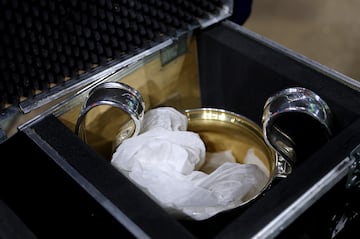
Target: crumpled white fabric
point(164, 161)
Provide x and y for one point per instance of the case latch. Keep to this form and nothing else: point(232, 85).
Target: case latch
point(353, 180)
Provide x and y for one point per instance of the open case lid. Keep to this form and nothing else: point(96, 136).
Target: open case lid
point(51, 50)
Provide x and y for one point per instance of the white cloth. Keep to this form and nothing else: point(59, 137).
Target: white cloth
point(164, 161)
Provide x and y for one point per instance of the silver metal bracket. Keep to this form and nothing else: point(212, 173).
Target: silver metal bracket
point(353, 180)
point(284, 168)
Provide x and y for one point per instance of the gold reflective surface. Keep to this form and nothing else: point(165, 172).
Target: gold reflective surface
point(223, 130)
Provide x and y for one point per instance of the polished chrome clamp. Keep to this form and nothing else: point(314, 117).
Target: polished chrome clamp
point(118, 95)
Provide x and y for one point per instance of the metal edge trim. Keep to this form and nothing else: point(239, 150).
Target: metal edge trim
point(79, 95)
point(287, 216)
point(27, 108)
point(225, 11)
point(72, 96)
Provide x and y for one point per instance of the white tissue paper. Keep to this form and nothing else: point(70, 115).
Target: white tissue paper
point(164, 161)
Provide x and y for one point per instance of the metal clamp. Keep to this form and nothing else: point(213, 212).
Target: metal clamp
point(118, 95)
point(353, 179)
point(277, 110)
